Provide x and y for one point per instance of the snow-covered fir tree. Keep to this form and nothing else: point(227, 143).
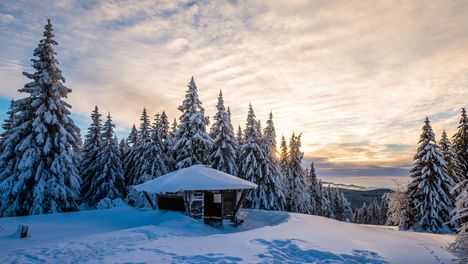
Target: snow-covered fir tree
point(269, 133)
point(156, 124)
point(223, 151)
point(429, 188)
point(374, 214)
point(460, 212)
point(383, 210)
point(108, 184)
point(171, 139)
point(312, 174)
point(89, 154)
point(339, 205)
point(283, 153)
point(360, 215)
point(251, 158)
point(40, 152)
point(173, 131)
point(451, 158)
point(167, 142)
point(123, 148)
point(174, 127)
point(133, 136)
point(239, 141)
point(192, 141)
point(460, 217)
point(346, 212)
point(460, 144)
point(283, 162)
point(316, 202)
point(10, 119)
point(228, 111)
point(164, 127)
point(398, 212)
point(144, 160)
point(273, 176)
point(325, 208)
point(239, 136)
point(7, 123)
point(297, 188)
point(131, 164)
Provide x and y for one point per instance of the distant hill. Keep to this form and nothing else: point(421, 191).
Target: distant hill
point(358, 197)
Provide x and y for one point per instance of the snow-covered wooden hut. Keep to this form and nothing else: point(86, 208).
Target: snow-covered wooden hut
point(200, 192)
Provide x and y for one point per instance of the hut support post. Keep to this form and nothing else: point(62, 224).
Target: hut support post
point(148, 198)
point(244, 194)
point(188, 202)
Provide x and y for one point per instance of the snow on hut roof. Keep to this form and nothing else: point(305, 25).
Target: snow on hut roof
point(194, 178)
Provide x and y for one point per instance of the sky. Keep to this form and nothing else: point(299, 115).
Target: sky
point(356, 78)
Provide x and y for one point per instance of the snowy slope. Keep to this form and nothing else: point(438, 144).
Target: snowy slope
point(129, 235)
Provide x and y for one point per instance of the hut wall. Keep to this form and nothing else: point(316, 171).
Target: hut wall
point(172, 202)
point(195, 204)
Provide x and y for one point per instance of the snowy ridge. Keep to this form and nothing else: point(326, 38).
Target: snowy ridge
point(126, 234)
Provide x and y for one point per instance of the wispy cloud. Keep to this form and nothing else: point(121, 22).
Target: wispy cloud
point(356, 77)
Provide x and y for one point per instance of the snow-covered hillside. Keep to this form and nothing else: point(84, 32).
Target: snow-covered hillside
point(129, 235)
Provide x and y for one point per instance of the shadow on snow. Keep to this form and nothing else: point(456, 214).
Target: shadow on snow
point(285, 251)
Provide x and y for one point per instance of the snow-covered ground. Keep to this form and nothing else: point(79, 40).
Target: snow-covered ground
point(123, 235)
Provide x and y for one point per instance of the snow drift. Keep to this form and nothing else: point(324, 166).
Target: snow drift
point(126, 234)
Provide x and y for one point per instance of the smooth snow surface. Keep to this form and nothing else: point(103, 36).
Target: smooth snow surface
point(196, 177)
point(126, 234)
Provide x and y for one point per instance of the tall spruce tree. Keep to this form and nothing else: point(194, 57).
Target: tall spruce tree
point(229, 115)
point(192, 142)
point(273, 175)
point(156, 124)
point(7, 124)
point(9, 120)
point(170, 143)
point(223, 151)
point(133, 136)
point(398, 212)
point(460, 144)
point(269, 133)
point(325, 209)
point(460, 212)
point(40, 152)
point(123, 148)
point(451, 159)
point(314, 191)
point(460, 217)
point(251, 158)
point(89, 154)
point(360, 215)
point(239, 136)
point(108, 183)
point(283, 153)
point(428, 190)
point(297, 195)
point(167, 142)
point(174, 127)
point(145, 160)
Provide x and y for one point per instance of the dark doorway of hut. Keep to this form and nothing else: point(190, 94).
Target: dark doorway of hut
point(213, 211)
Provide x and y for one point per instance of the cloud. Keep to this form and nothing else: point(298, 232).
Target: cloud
point(356, 79)
point(5, 18)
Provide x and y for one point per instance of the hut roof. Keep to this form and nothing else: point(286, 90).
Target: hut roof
point(194, 178)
